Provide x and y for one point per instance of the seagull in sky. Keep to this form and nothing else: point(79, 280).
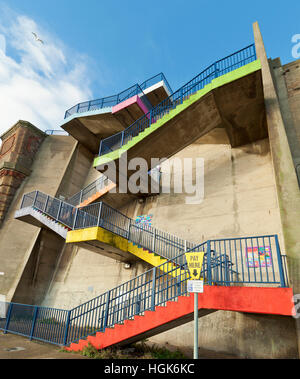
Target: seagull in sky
point(37, 38)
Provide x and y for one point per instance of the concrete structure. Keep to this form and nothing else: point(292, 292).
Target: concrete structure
point(247, 131)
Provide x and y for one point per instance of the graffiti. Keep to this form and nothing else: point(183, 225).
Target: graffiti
point(259, 256)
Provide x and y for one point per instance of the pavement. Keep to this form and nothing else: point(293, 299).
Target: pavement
point(18, 347)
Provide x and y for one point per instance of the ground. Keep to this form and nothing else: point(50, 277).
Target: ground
point(18, 347)
point(30, 349)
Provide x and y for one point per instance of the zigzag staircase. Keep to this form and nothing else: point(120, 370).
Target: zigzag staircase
point(240, 274)
point(217, 97)
point(236, 277)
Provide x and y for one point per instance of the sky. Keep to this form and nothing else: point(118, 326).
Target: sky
point(97, 48)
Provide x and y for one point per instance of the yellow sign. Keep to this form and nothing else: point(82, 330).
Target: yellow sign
point(194, 262)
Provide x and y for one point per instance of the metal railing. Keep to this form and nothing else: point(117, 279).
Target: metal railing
point(56, 132)
point(239, 261)
point(90, 190)
point(156, 79)
point(222, 266)
point(251, 260)
point(219, 68)
point(111, 101)
point(103, 182)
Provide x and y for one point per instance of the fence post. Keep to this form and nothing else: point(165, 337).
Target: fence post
point(208, 264)
point(216, 70)
point(8, 318)
point(153, 241)
point(153, 290)
point(67, 328)
point(280, 267)
point(99, 215)
point(81, 197)
point(36, 309)
point(106, 311)
point(75, 218)
point(46, 204)
point(129, 227)
point(100, 148)
point(122, 139)
point(35, 197)
point(23, 198)
point(59, 209)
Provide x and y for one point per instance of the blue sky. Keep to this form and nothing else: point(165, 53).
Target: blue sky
point(107, 46)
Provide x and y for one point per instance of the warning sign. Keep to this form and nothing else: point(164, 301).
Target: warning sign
point(194, 262)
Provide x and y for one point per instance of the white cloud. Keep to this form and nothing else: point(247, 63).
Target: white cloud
point(38, 82)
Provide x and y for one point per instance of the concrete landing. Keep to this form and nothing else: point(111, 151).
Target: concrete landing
point(33, 217)
point(90, 127)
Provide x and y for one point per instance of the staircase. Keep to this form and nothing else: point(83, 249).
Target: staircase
point(222, 72)
point(240, 274)
point(227, 261)
point(156, 300)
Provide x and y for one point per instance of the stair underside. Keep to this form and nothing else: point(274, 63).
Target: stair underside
point(234, 101)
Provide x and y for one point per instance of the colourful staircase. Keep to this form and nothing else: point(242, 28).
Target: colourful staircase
point(181, 311)
point(158, 299)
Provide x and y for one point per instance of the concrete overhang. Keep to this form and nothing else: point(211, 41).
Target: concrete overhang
point(157, 93)
point(35, 218)
point(90, 127)
point(234, 101)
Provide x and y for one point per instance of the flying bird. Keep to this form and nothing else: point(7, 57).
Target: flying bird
point(37, 38)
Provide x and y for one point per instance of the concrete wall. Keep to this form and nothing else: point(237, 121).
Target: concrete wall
point(240, 200)
point(17, 239)
point(239, 194)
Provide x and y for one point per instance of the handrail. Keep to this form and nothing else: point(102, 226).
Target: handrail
point(255, 260)
point(220, 67)
point(51, 132)
point(97, 186)
point(145, 292)
point(245, 253)
point(110, 101)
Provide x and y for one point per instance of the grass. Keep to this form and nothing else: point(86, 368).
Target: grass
point(135, 351)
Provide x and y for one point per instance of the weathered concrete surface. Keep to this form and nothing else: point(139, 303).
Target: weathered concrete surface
point(19, 146)
point(17, 239)
point(33, 217)
point(287, 83)
point(286, 180)
point(37, 275)
point(240, 200)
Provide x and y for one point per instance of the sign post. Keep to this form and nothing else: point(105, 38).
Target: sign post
point(195, 285)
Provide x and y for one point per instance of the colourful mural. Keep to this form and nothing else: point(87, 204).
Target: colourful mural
point(259, 256)
point(144, 221)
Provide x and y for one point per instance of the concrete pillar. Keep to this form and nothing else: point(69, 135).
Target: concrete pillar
point(286, 180)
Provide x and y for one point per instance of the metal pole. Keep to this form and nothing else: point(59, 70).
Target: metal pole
point(196, 326)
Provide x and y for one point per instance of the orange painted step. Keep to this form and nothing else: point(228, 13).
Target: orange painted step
point(240, 299)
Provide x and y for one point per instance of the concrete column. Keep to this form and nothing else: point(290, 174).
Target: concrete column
point(286, 180)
